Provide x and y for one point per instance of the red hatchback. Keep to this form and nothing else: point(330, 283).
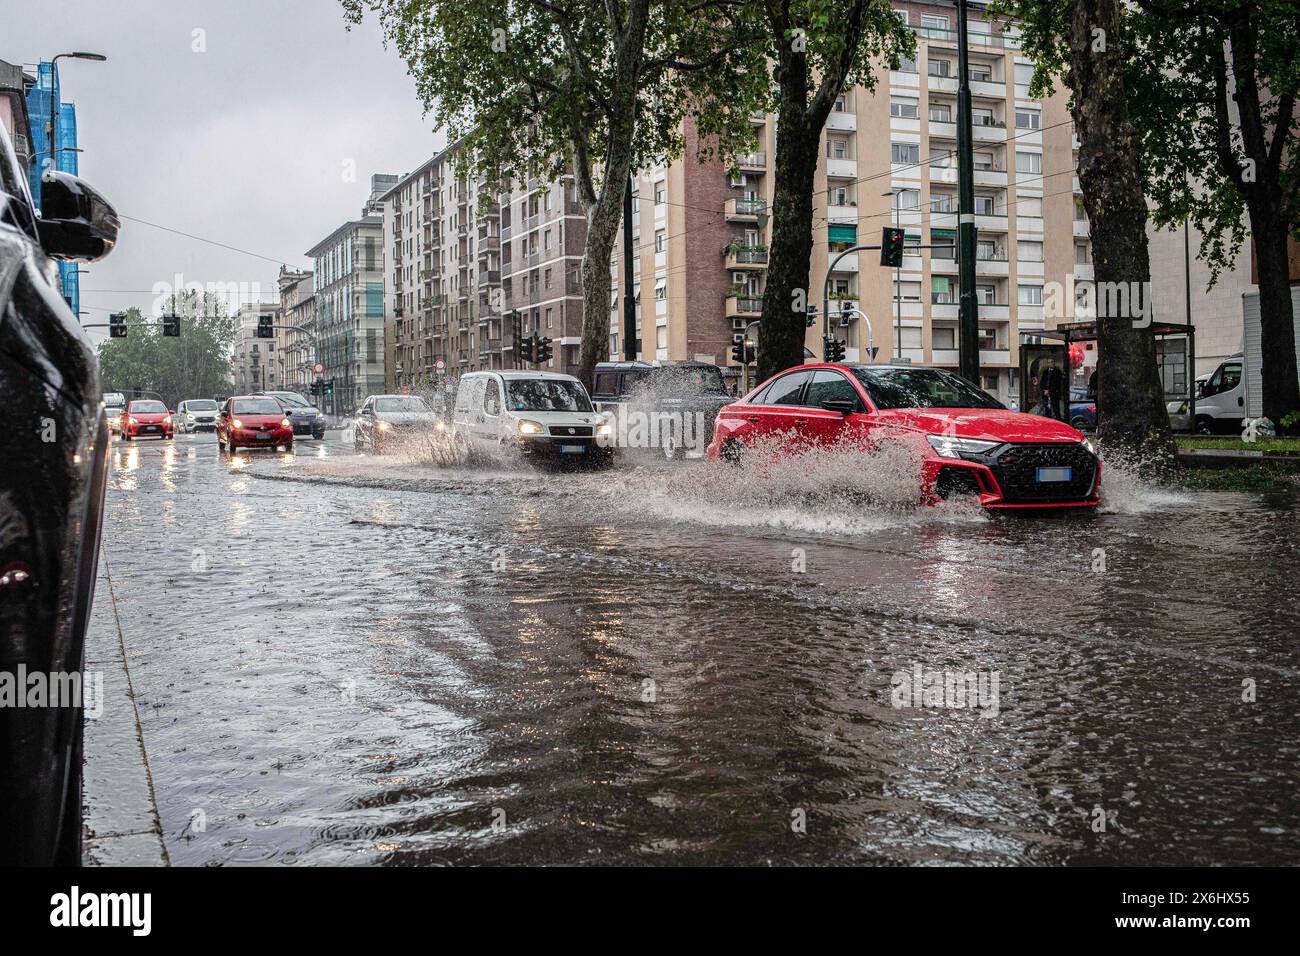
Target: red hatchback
point(145, 418)
point(967, 441)
point(253, 421)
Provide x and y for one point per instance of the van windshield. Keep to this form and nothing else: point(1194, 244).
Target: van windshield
point(201, 405)
point(547, 395)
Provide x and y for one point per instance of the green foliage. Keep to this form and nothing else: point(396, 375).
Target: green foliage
point(195, 365)
point(530, 87)
point(1198, 160)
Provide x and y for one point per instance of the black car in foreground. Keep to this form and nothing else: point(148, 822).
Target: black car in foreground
point(53, 467)
point(668, 407)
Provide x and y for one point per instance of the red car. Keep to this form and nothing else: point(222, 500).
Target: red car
point(253, 421)
point(145, 417)
point(967, 442)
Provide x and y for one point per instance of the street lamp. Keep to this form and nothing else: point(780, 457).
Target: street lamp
point(54, 100)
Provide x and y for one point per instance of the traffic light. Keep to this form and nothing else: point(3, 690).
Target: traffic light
point(833, 349)
point(743, 353)
point(327, 387)
point(543, 350)
point(891, 247)
point(846, 313)
point(811, 319)
point(529, 353)
point(172, 325)
point(265, 327)
point(117, 325)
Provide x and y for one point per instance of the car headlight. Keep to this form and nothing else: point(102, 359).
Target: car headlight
point(189, 417)
point(285, 423)
point(950, 446)
point(1087, 443)
point(167, 420)
point(384, 426)
point(604, 430)
point(440, 426)
point(132, 420)
point(527, 427)
point(237, 423)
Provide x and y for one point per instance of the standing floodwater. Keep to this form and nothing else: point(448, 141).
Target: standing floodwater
point(385, 661)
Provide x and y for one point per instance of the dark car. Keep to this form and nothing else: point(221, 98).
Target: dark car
point(1083, 410)
point(670, 407)
point(306, 418)
point(53, 467)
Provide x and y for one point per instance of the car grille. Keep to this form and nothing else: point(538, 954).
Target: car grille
point(1015, 467)
point(570, 431)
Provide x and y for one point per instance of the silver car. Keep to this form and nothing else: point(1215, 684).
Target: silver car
point(196, 414)
point(388, 420)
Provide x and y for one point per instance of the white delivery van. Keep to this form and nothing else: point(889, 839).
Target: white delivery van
point(1253, 403)
point(1221, 399)
point(544, 415)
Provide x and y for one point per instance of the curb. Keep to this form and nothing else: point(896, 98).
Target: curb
point(119, 814)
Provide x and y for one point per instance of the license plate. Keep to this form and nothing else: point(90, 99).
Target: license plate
point(149, 428)
point(263, 437)
point(1055, 474)
point(572, 449)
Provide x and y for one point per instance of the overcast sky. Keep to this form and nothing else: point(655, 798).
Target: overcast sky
point(246, 144)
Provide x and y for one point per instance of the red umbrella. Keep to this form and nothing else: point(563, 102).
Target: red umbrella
point(1076, 356)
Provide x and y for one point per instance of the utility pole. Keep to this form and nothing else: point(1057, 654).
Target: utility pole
point(968, 314)
point(629, 305)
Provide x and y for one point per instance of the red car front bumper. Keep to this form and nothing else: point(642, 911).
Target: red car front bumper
point(938, 475)
point(148, 430)
point(253, 437)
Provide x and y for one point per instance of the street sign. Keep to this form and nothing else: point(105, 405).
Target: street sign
point(873, 351)
point(406, 390)
point(440, 365)
point(318, 368)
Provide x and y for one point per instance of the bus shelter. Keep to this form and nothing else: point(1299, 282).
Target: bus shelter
point(1042, 349)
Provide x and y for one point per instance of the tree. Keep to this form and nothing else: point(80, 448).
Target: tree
point(543, 88)
point(1088, 42)
point(1213, 92)
point(193, 365)
point(815, 49)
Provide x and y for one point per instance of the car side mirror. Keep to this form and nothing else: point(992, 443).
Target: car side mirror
point(843, 406)
point(77, 224)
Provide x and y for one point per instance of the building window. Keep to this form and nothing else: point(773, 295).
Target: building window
point(661, 194)
point(980, 73)
point(1029, 162)
point(549, 319)
point(1082, 254)
point(1027, 251)
point(934, 28)
point(906, 65)
point(909, 153)
point(1028, 119)
point(1030, 295)
point(943, 337)
point(940, 113)
point(903, 107)
point(661, 240)
point(907, 199)
point(909, 337)
point(1029, 206)
point(939, 68)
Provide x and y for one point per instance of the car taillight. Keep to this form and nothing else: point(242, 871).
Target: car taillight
point(1093, 409)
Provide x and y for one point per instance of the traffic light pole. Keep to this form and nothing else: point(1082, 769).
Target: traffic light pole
point(826, 287)
point(968, 310)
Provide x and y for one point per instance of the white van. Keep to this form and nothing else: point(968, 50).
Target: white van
point(545, 415)
point(1221, 401)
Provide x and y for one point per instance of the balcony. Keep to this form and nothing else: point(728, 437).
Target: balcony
point(489, 277)
point(843, 121)
point(995, 356)
point(755, 162)
point(842, 168)
point(744, 307)
point(848, 264)
point(744, 210)
point(1081, 229)
point(746, 257)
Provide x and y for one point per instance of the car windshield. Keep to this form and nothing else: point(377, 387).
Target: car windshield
point(149, 408)
point(201, 405)
point(408, 403)
point(288, 398)
point(256, 406)
point(921, 388)
point(114, 398)
point(547, 395)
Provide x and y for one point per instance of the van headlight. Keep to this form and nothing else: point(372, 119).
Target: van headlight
point(383, 426)
point(527, 427)
point(604, 430)
point(949, 446)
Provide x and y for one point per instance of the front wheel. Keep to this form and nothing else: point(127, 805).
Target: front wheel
point(1205, 426)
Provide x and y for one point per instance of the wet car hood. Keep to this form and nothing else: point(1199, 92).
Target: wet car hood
point(148, 418)
point(987, 424)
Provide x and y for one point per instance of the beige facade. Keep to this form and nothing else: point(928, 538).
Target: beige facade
point(258, 364)
point(702, 233)
point(297, 318)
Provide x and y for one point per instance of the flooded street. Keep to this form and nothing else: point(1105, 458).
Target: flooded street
point(340, 659)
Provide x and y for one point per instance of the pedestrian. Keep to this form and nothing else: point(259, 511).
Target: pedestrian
point(1051, 383)
point(1092, 386)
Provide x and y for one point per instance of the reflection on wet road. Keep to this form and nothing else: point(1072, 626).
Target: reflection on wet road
point(340, 659)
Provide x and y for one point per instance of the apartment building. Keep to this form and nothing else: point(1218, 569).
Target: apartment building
point(298, 317)
point(348, 299)
point(702, 232)
point(257, 364)
point(460, 256)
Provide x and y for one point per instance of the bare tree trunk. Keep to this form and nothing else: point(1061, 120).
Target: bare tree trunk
point(782, 326)
point(1281, 394)
point(1130, 398)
